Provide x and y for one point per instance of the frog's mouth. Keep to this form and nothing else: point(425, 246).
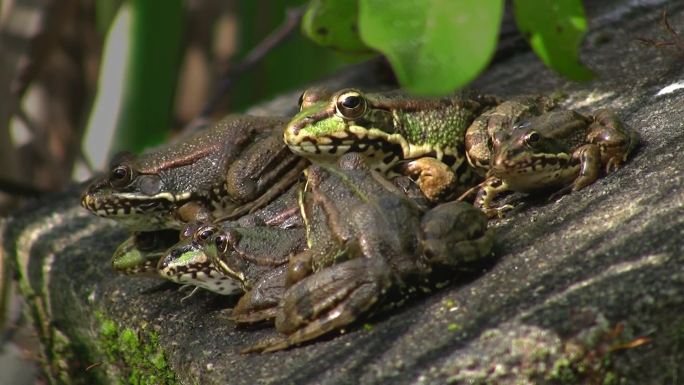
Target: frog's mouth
point(137, 211)
point(382, 150)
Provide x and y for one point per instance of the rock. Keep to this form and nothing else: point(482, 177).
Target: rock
point(587, 288)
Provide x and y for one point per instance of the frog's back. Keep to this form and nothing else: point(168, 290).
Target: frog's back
point(219, 143)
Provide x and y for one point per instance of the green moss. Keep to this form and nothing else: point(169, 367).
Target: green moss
point(610, 379)
point(137, 354)
point(453, 327)
point(562, 372)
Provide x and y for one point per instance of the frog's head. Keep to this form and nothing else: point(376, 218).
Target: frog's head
point(142, 198)
point(138, 200)
point(187, 263)
point(332, 124)
point(217, 243)
point(531, 159)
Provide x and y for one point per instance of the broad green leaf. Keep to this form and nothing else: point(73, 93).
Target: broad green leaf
point(333, 24)
point(152, 71)
point(554, 29)
point(434, 46)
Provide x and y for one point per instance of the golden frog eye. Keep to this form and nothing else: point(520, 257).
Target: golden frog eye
point(532, 138)
point(120, 176)
point(350, 105)
point(203, 234)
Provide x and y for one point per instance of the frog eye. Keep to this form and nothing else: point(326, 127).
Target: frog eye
point(532, 138)
point(350, 105)
point(120, 176)
point(205, 233)
point(221, 243)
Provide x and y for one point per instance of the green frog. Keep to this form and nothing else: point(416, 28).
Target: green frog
point(364, 237)
point(160, 254)
point(253, 259)
point(557, 149)
point(419, 137)
point(234, 167)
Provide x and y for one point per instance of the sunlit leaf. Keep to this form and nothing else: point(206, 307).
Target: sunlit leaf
point(333, 24)
point(434, 46)
point(554, 29)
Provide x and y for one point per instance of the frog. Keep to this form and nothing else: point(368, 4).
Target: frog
point(364, 237)
point(182, 261)
point(254, 259)
point(399, 134)
point(559, 150)
point(234, 167)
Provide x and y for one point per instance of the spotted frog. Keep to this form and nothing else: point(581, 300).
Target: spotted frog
point(557, 149)
point(397, 133)
point(185, 263)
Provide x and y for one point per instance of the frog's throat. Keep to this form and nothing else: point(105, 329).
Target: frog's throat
point(204, 275)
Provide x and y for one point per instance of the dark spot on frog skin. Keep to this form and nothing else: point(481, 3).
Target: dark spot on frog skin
point(322, 31)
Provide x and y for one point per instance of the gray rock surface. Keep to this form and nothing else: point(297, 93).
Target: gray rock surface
point(587, 288)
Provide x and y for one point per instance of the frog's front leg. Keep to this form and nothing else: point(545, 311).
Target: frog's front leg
point(265, 170)
point(328, 300)
point(260, 303)
point(435, 179)
point(487, 192)
point(455, 234)
point(589, 158)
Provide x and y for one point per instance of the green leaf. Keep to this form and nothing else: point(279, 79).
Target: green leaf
point(333, 24)
point(152, 71)
point(434, 46)
point(554, 29)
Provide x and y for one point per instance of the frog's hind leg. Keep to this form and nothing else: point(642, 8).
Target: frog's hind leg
point(330, 299)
